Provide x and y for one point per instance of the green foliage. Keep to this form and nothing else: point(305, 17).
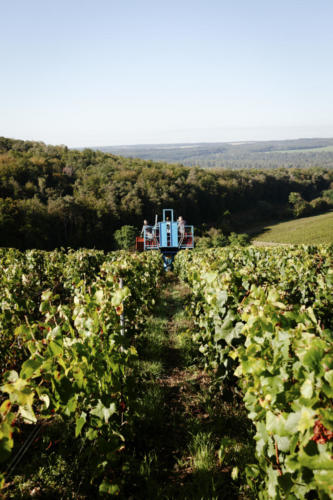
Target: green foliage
point(283, 369)
point(241, 240)
point(301, 208)
point(319, 205)
point(25, 275)
point(265, 316)
point(328, 195)
point(51, 196)
point(76, 359)
point(214, 238)
point(211, 239)
point(202, 451)
point(295, 198)
point(203, 243)
point(125, 237)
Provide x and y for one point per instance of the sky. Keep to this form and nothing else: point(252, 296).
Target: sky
point(105, 72)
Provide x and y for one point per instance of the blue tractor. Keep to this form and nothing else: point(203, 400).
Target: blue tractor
point(168, 236)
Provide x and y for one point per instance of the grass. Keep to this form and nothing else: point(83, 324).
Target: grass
point(187, 439)
point(202, 451)
point(308, 230)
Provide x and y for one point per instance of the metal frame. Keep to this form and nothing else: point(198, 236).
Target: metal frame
point(152, 239)
point(151, 242)
point(169, 240)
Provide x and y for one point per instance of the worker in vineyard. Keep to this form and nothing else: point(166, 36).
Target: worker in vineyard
point(146, 228)
point(181, 229)
point(168, 225)
point(181, 226)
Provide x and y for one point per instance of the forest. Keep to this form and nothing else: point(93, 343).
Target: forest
point(236, 155)
point(52, 196)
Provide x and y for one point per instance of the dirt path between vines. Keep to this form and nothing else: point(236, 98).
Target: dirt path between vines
point(184, 420)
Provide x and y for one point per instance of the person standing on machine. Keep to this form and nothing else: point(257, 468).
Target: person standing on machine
point(146, 228)
point(181, 229)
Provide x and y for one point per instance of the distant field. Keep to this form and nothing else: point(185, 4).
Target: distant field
point(309, 230)
point(305, 150)
point(236, 155)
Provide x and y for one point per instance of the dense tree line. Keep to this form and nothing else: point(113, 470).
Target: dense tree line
point(52, 196)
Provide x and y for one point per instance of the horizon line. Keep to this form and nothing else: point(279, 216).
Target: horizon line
point(235, 141)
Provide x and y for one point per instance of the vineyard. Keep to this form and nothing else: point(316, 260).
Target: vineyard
point(85, 354)
point(63, 351)
point(265, 317)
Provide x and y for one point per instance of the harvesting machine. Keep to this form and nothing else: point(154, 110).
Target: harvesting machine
point(168, 236)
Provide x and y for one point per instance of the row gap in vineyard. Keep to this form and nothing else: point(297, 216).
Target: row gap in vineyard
point(188, 436)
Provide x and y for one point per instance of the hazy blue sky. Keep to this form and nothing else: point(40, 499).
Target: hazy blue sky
point(104, 72)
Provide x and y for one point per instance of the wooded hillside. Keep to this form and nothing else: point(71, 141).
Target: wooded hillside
point(52, 196)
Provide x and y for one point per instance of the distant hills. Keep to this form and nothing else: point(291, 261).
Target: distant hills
point(235, 155)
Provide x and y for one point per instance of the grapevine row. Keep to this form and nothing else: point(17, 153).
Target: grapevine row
point(265, 316)
point(76, 358)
